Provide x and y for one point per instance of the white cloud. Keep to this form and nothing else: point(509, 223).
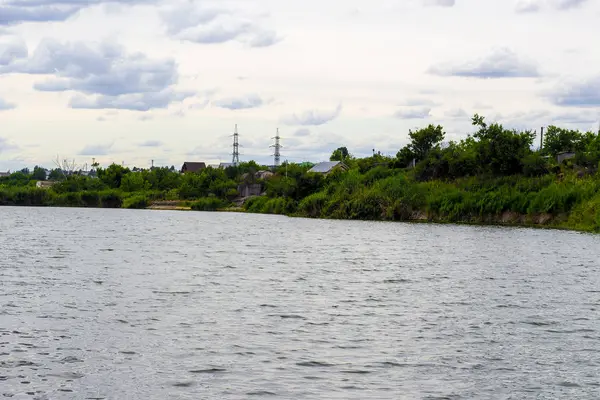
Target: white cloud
point(439, 3)
point(5, 105)
point(500, 63)
point(413, 113)
point(312, 117)
point(240, 103)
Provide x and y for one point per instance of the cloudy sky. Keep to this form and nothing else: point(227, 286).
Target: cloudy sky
point(135, 80)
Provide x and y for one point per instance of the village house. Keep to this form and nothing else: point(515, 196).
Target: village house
point(328, 167)
point(4, 174)
point(44, 184)
point(565, 155)
point(192, 167)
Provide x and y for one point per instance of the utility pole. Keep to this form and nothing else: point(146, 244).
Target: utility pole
point(236, 147)
point(541, 138)
point(152, 167)
point(277, 146)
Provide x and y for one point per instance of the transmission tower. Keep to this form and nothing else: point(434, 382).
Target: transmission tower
point(277, 147)
point(236, 147)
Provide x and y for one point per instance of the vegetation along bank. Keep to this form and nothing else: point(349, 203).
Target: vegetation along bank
point(493, 176)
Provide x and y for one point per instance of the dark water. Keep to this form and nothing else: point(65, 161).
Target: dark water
point(116, 304)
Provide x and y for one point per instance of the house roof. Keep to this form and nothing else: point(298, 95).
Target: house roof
point(324, 167)
point(193, 166)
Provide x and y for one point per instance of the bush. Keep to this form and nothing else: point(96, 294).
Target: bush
point(111, 199)
point(208, 204)
point(139, 201)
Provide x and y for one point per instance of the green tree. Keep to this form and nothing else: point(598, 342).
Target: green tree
point(502, 151)
point(56, 175)
point(113, 175)
point(134, 182)
point(339, 154)
point(558, 140)
point(425, 139)
point(39, 174)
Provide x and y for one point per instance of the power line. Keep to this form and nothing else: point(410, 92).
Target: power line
point(236, 147)
point(277, 146)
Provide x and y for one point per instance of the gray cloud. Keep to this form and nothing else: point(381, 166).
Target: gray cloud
point(532, 6)
point(12, 50)
point(439, 3)
point(413, 113)
point(96, 150)
point(151, 143)
point(6, 146)
point(191, 22)
point(456, 113)
point(240, 103)
point(312, 117)
point(584, 93)
point(110, 77)
point(5, 105)
point(568, 4)
point(14, 12)
point(303, 132)
point(500, 63)
point(417, 102)
point(130, 101)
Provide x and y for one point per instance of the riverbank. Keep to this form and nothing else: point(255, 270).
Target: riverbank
point(383, 194)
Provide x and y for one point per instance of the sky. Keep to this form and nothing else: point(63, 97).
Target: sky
point(131, 81)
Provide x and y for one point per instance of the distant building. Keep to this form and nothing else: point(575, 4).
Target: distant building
point(44, 184)
point(328, 167)
point(192, 167)
point(4, 174)
point(263, 174)
point(226, 165)
point(565, 155)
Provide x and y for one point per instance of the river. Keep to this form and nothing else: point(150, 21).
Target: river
point(122, 304)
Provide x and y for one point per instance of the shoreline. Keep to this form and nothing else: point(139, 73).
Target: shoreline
point(508, 219)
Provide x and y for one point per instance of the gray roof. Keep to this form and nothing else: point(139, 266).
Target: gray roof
point(324, 167)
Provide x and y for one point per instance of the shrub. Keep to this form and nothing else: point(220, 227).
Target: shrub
point(139, 201)
point(208, 204)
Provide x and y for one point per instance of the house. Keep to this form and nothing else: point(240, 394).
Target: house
point(4, 174)
point(192, 167)
point(565, 155)
point(44, 184)
point(328, 167)
point(263, 174)
point(226, 165)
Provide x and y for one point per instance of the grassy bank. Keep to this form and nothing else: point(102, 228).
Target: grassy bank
point(569, 202)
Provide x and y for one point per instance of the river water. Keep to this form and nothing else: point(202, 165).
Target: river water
point(120, 304)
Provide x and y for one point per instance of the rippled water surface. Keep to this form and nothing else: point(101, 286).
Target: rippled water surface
point(118, 304)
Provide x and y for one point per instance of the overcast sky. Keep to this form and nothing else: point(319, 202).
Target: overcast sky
point(135, 80)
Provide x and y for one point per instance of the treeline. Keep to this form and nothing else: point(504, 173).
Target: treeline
point(117, 186)
point(492, 176)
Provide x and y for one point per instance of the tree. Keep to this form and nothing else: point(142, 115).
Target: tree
point(339, 154)
point(39, 174)
point(56, 175)
point(134, 182)
point(113, 175)
point(501, 150)
point(558, 140)
point(425, 139)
